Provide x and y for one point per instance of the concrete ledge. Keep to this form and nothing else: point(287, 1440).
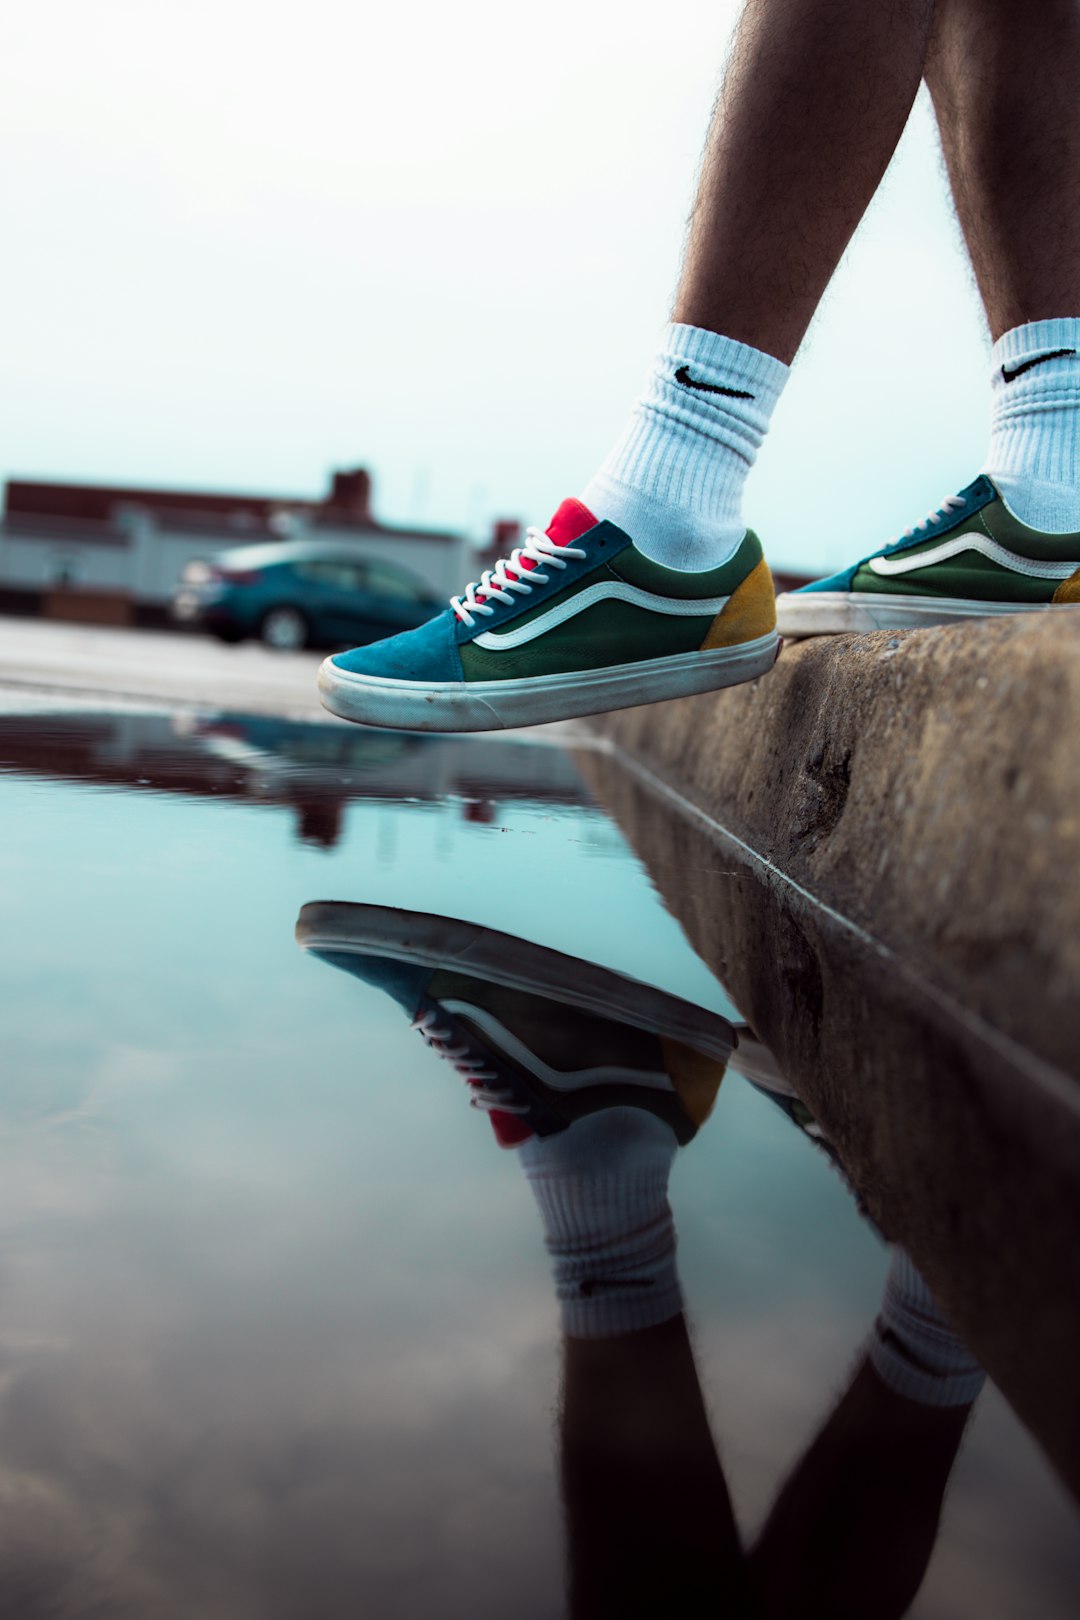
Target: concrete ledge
point(925, 785)
point(963, 1147)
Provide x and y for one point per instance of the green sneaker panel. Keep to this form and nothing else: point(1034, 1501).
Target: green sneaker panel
point(637, 569)
point(611, 631)
point(564, 1038)
point(608, 633)
point(991, 556)
point(967, 576)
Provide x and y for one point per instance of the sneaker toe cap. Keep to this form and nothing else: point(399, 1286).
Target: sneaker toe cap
point(428, 653)
point(834, 582)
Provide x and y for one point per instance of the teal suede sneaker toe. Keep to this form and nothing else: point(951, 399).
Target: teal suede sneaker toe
point(576, 621)
point(971, 559)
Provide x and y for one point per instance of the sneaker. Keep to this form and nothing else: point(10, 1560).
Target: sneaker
point(541, 1039)
point(971, 559)
point(576, 621)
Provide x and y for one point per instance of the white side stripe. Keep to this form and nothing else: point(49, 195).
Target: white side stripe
point(905, 563)
point(616, 590)
point(558, 1079)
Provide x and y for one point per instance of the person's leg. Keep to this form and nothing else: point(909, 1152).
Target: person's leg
point(1005, 83)
point(1003, 78)
point(814, 101)
point(668, 593)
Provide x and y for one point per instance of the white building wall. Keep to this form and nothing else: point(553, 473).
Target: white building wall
point(43, 563)
point(161, 557)
point(148, 561)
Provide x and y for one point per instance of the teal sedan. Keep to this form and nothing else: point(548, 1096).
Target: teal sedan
point(300, 593)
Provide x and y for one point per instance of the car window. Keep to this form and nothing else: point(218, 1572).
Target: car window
point(386, 580)
point(343, 576)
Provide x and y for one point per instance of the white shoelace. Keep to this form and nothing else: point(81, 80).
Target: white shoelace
point(508, 575)
point(951, 503)
point(472, 1072)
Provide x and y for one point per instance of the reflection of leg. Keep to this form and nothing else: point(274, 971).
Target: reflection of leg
point(852, 1531)
point(649, 1523)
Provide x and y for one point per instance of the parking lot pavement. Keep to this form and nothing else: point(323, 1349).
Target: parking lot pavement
point(154, 666)
point(42, 660)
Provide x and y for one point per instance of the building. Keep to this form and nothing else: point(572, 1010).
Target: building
point(114, 555)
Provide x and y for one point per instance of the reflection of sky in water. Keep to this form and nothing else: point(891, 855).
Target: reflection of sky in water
point(276, 1329)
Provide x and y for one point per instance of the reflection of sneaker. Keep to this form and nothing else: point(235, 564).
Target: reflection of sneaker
point(577, 621)
point(542, 1039)
point(971, 559)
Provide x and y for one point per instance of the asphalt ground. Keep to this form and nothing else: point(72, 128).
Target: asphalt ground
point(155, 666)
point(44, 661)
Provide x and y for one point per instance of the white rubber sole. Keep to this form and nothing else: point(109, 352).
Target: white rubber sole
point(824, 613)
point(755, 1061)
point(485, 953)
point(373, 700)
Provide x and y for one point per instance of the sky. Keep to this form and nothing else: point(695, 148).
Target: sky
point(244, 244)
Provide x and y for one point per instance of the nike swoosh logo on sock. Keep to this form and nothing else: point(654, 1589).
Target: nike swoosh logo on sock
point(683, 376)
point(592, 1285)
point(1026, 365)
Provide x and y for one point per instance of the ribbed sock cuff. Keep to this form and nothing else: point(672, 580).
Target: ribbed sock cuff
point(1035, 338)
point(601, 1190)
point(715, 359)
point(912, 1348)
point(1034, 454)
point(624, 1281)
point(1033, 421)
point(674, 479)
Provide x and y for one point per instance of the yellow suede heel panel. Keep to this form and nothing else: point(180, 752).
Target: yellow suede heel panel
point(750, 611)
point(1069, 589)
point(696, 1078)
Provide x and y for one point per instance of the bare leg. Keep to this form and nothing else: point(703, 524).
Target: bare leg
point(649, 1520)
point(1005, 82)
point(852, 1531)
point(813, 104)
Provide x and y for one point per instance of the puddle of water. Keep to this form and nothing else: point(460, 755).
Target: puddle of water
point(278, 1332)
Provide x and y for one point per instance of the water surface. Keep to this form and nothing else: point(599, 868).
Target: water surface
point(278, 1335)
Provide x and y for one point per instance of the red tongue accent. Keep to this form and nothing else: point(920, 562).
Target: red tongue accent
point(570, 522)
point(510, 1129)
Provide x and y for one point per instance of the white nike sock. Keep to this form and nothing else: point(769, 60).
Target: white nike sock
point(1034, 456)
point(601, 1188)
point(914, 1350)
point(674, 480)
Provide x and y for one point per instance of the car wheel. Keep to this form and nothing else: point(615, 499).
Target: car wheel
point(284, 628)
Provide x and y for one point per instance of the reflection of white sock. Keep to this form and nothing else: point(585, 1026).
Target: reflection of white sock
point(914, 1350)
point(674, 480)
point(1034, 456)
point(601, 1188)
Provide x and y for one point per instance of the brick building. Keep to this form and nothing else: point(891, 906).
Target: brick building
point(114, 554)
